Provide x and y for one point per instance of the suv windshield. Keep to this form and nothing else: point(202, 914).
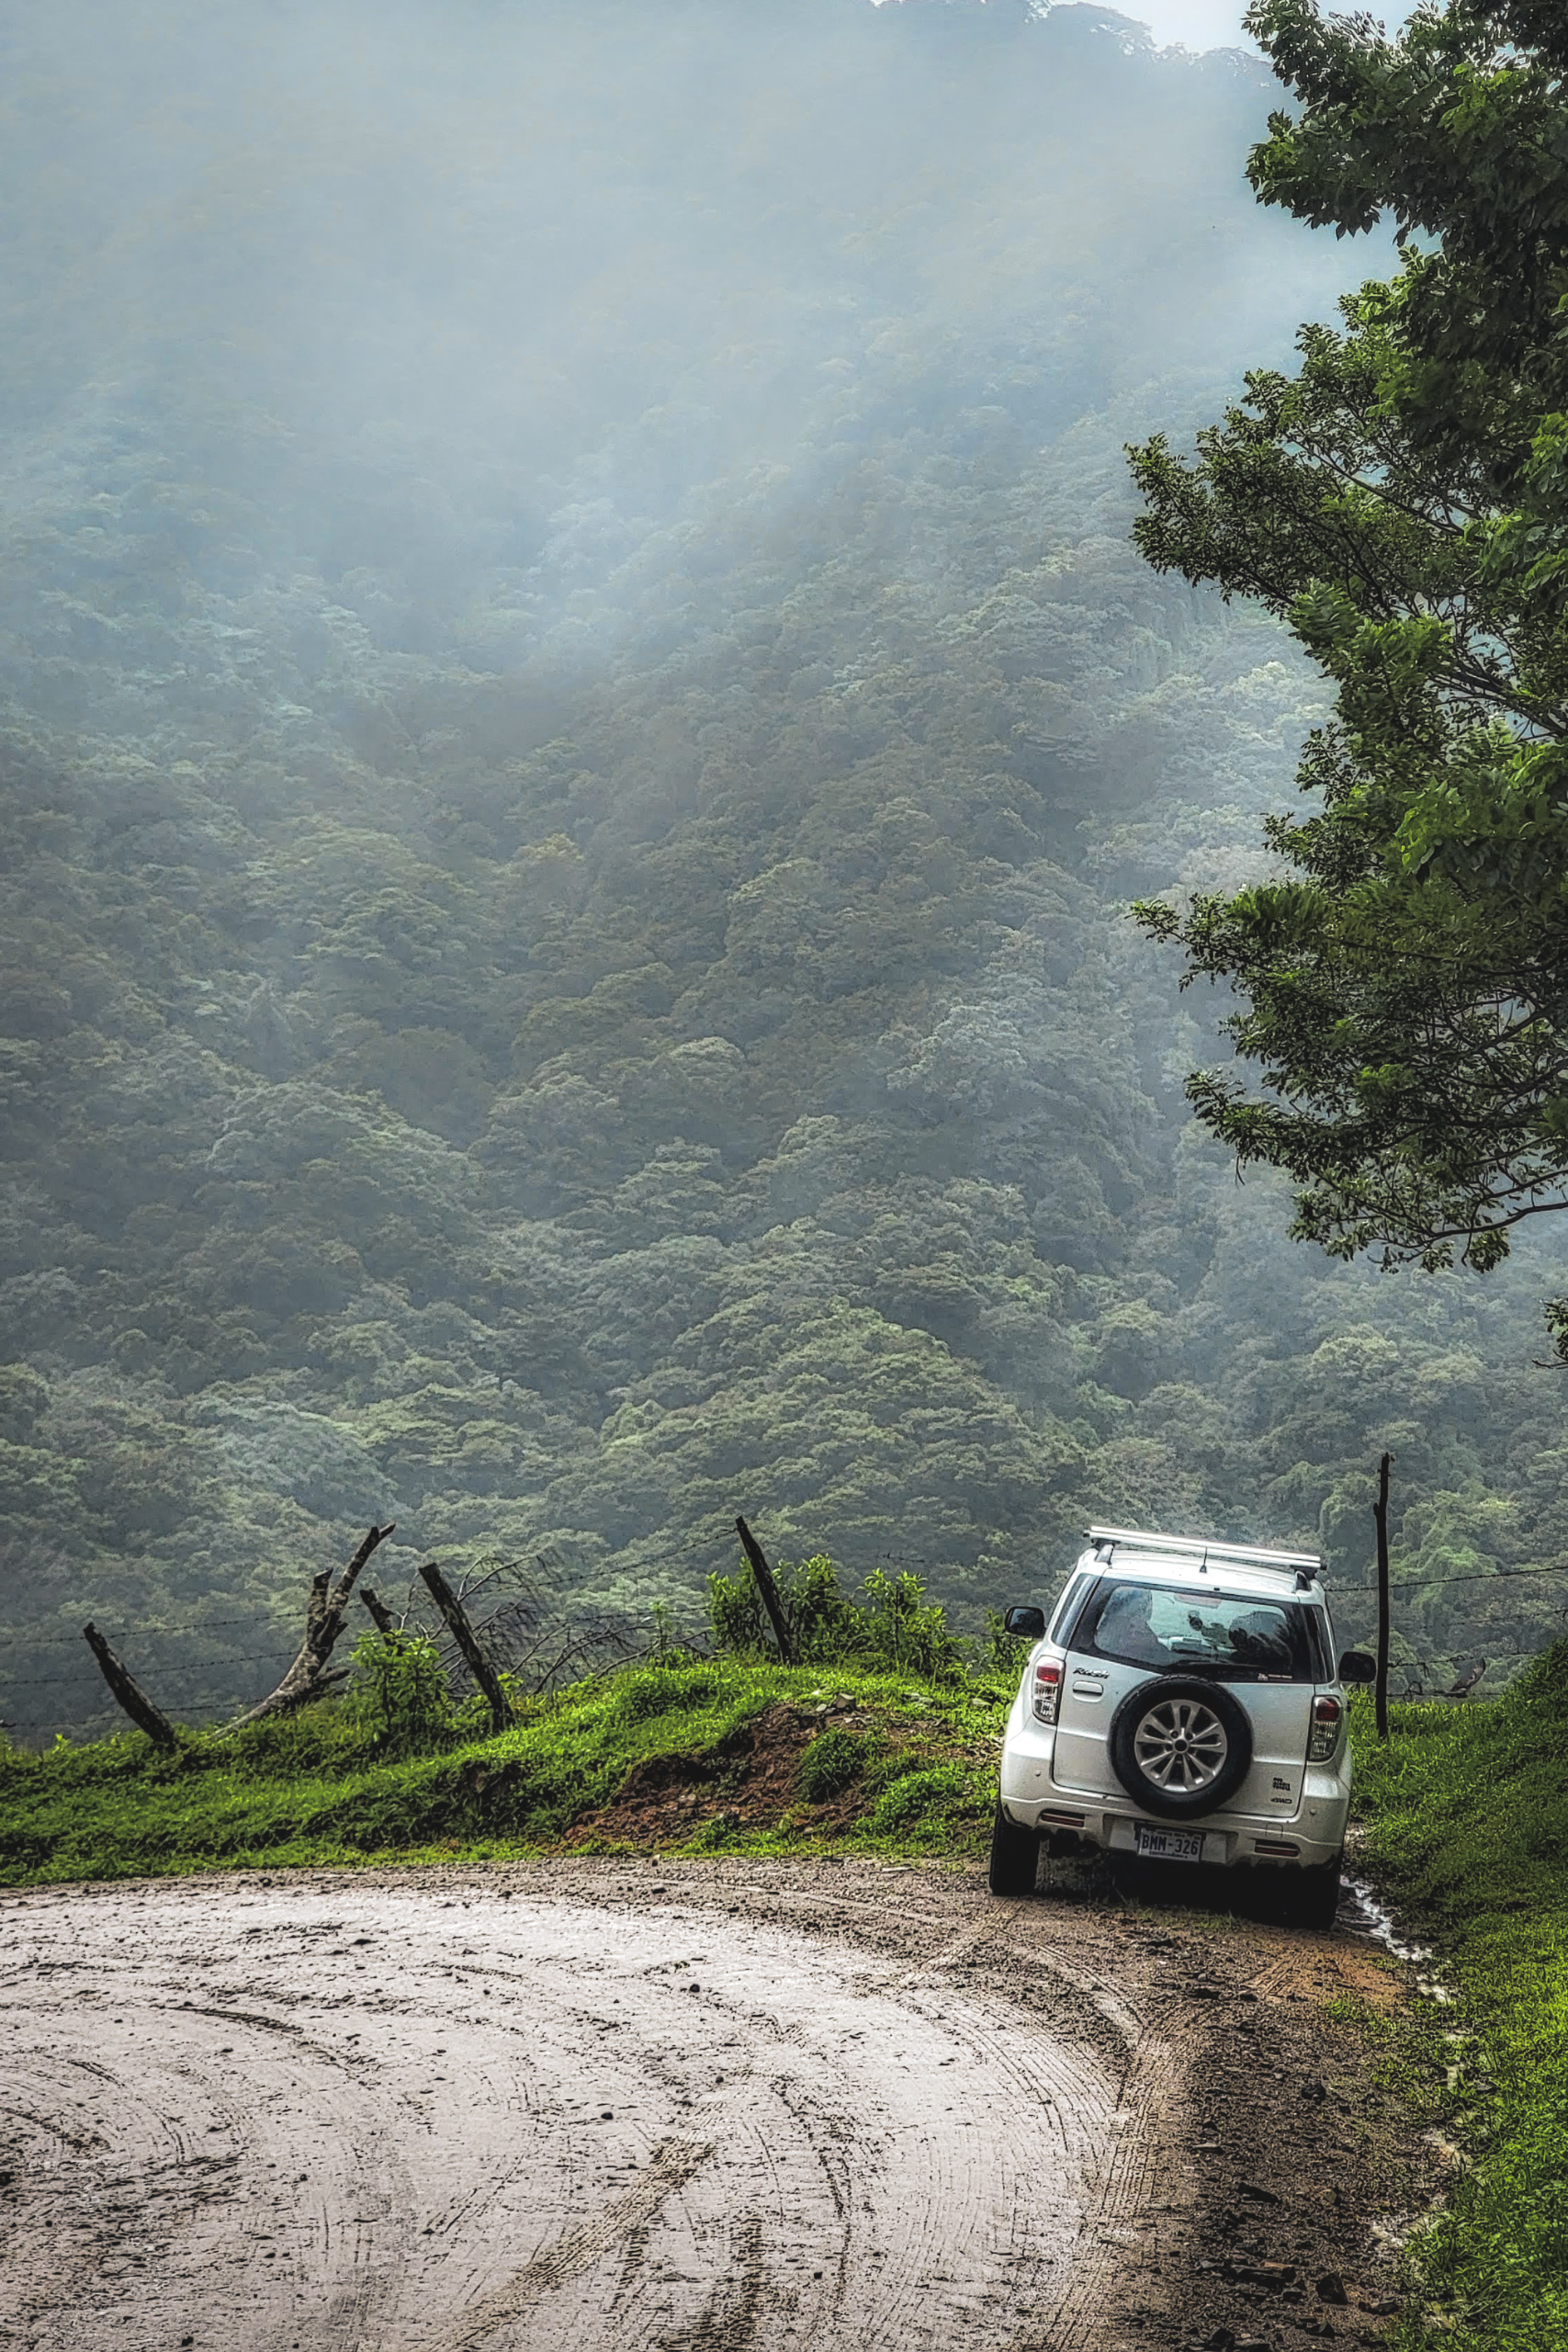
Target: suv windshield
point(1179, 1630)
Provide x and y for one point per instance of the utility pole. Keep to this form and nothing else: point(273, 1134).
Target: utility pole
point(1380, 1516)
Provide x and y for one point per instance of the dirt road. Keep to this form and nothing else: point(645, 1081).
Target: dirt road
point(695, 2108)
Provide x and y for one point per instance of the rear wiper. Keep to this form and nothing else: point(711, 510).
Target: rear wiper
point(1232, 1669)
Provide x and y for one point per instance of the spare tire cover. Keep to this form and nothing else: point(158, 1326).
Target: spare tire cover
point(1180, 1744)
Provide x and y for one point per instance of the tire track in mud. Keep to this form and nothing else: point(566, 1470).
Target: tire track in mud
point(580, 2247)
point(587, 2105)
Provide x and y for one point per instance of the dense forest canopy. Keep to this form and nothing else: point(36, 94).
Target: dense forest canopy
point(579, 722)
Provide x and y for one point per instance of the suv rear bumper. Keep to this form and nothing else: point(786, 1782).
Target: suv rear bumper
point(1312, 1838)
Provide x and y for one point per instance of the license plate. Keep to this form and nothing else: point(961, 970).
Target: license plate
point(1169, 1845)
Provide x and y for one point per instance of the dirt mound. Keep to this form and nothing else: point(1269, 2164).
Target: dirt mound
point(749, 1779)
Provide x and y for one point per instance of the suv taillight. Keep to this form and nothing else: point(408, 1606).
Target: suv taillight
point(1047, 1690)
point(1327, 1714)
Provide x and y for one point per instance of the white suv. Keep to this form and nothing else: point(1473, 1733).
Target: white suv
point(1184, 1704)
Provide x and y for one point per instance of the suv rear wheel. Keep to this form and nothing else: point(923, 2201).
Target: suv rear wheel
point(1015, 1857)
point(1313, 1895)
point(1180, 1746)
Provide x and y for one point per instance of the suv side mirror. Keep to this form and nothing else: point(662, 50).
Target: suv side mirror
point(1029, 1624)
point(1356, 1667)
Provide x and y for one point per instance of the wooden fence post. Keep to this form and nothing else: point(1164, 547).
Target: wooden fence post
point(129, 1693)
point(468, 1641)
point(1380, 1516)
point(379, 1611)
point(768, 1588)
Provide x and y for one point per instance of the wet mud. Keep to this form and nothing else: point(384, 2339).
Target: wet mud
point(687, 2106)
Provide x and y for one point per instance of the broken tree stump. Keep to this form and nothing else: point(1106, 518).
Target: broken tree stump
point(129, 1693)
point(768, 1590)
point(308, 1677)
point(468, 1641)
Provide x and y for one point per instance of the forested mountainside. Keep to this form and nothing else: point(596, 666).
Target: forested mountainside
point(578, 723)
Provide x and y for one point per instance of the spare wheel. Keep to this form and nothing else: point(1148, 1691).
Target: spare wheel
point(1180, 1744)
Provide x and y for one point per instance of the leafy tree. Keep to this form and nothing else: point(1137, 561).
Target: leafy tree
point(1402, 502)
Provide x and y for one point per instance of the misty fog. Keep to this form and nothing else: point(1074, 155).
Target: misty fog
point(579, 720)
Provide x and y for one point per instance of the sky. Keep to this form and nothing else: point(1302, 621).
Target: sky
point(1216, 23)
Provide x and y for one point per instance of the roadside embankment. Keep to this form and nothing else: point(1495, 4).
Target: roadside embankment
point(720, 1755)
point(1466, 1815)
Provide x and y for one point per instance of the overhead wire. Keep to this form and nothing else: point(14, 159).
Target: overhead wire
point(883, 1559)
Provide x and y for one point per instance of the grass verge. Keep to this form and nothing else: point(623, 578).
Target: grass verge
point(689, 1755)
point(1466, 1811)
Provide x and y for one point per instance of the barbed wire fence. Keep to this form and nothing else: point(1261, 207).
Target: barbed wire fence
point(535, 1629)
point(527, 1622)
point(531, 1627)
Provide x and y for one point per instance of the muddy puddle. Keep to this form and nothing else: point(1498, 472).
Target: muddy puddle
point(1364, 1913)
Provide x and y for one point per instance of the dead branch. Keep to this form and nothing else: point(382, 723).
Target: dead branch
point(468, 1641)
point(307, 1679)
point(768, 1592)
point(129, 1693)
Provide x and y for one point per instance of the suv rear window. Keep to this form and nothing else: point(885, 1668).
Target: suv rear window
point(1179, 1629)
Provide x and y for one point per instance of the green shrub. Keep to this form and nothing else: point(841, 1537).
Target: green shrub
point(905, 1633)
point(660, 1689)
point(915, 1797)
point(834, 1763)
point(893, 1626)
point(737, 1619)
point(399, 1703)
point(824, 1625)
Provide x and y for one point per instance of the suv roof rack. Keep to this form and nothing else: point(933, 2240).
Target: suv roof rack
point(1244, 1554)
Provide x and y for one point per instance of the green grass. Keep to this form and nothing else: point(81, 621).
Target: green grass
point(1467, 1816)
point(915, 1776)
